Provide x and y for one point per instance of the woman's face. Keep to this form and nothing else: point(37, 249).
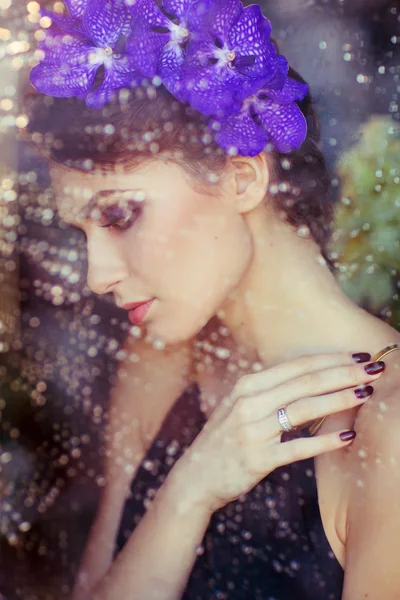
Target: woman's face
point(152, 235)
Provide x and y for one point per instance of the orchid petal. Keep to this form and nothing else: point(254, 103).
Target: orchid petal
point(170, 71)
point(145, 47)
point(145, 43)
point(249, 86)
point(120, 74)
point(63, 81)
point(104, 20)
point(197, 14)
point(76, 8)
point(240, 134)
point(200, 53)
point(250, 36)
point(292, 90)
point(64, 22)
point(60, 48)
point(278, 75)
point(211, 92)
point(147, 11)
point(285, 123)
point(127, 26)
point(191, 13)
point(178, 8)
point(221, 18)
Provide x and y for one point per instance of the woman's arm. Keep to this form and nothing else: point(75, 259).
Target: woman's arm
point(138, 403)
point(157, 560)
point(99, 550)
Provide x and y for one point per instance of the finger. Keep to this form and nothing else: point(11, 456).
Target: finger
point(325, 382)
point(306, 386)
point(310, 409)
point(270, 378)
point(317, 384)
point(302, 448)
point(307, 410)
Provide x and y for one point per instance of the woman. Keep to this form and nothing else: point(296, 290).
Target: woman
point(204, 199)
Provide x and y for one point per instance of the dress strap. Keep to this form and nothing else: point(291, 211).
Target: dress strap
point(315, 427)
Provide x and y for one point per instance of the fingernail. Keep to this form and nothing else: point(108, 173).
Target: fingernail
point(364, 392)
point(361, 357)
point(347, 436)
point(375, 368)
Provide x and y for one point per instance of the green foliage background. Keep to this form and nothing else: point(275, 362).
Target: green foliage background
point(366, 237)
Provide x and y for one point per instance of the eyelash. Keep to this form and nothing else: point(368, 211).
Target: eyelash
point(127, 218)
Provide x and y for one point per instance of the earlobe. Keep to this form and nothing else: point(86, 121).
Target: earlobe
point(251, 176)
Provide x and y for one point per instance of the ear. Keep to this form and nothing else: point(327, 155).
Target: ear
point(250, 178)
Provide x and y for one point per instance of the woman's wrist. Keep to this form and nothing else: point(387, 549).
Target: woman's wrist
point(184, 490)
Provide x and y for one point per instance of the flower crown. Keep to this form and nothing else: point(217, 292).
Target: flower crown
point(215, 55)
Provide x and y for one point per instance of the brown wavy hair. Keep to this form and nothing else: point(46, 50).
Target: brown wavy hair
point(147, 122)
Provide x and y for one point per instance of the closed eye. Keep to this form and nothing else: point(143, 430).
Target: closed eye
point(119, 219)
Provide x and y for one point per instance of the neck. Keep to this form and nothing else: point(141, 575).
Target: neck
point(289, 303)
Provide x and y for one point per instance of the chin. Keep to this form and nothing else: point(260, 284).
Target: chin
point(174, 331)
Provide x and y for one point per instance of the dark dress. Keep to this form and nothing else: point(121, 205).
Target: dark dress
point(267, 545)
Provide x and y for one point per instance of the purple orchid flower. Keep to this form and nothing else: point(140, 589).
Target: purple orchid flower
point(160, 35)
point(213, 54)
point(76, 45)
point(210, 53)
point(230, 58)
point(269, 116)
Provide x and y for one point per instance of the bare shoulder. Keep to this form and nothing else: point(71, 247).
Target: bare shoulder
point(347, 479)
point(372, 476)
point(378, 420)
point(373, 460)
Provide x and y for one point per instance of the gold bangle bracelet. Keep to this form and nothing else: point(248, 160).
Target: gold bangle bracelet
point(316, 426)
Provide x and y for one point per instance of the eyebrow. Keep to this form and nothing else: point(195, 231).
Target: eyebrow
point(96, 198)
point(86, 211)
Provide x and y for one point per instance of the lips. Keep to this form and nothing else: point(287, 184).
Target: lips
point(138, 311)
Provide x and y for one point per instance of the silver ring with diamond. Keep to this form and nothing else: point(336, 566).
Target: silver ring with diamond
point(284, 420)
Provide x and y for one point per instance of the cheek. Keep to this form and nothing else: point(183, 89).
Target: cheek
point(195, 249)
point(164, 233)
point(197, 280)
point(204, 262)
point(152, 248)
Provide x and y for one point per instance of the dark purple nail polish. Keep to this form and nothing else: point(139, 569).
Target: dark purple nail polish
point(347, 436)
point(361, 357)
point(375, 368)
point(364, 392)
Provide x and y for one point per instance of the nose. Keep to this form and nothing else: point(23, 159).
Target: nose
point(106, 265)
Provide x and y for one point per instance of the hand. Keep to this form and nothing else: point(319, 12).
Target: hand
point(241, 442)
